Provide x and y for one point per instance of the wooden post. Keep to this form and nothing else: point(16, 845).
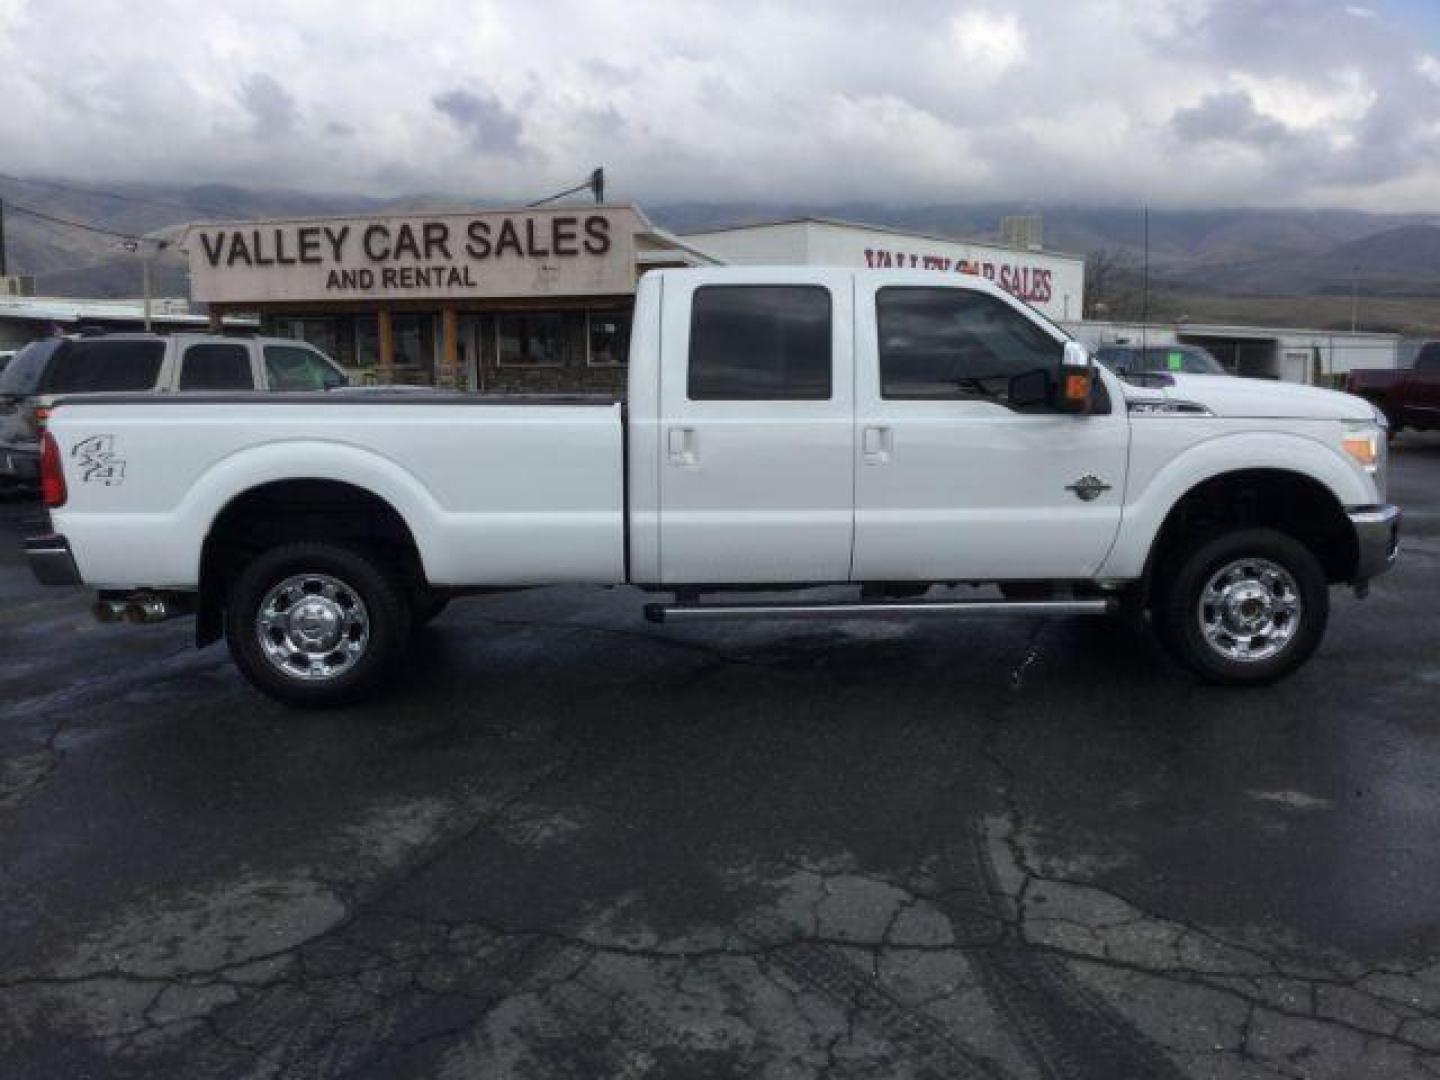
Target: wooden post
point(449, 353)
point(386, 370)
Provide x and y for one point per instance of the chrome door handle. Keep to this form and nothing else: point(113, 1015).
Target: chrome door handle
point(680, 444)
point(876, 443)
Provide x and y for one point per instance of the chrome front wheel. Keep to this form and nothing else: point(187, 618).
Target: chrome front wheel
point(1243, 607)
point(1249, 610)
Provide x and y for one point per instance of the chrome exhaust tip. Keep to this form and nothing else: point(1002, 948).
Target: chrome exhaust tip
point(108, 611)
point(149, 609)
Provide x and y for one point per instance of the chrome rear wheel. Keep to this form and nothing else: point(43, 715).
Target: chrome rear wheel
point(313, 627)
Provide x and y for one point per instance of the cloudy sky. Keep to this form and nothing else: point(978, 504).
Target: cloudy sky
point(1173, 102)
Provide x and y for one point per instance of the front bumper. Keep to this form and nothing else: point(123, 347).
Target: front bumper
point(51, 561)
point(1377, 540)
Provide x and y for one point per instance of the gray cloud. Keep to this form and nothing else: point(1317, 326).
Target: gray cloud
point(1228, 117)
point(490, 127)
point(1175, 102)
point(270, 105)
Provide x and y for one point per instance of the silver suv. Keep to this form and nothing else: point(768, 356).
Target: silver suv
point(44, 371)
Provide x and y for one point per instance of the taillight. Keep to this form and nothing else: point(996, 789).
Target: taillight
point(42, 417)
point(52, 476)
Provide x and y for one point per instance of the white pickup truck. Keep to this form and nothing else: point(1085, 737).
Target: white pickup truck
point(785, 428)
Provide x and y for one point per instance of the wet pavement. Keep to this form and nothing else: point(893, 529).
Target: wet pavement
point(575, 845)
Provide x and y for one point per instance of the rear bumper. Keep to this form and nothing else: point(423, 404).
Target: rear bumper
point(51, 561)
point(1377, 539)
point(19, 466)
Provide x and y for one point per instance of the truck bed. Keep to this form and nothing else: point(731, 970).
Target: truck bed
point(499, 491)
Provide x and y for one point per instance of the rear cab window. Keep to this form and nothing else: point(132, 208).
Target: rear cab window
point(103, 365)
point(760, 343)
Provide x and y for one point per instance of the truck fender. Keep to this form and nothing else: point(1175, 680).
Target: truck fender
point(1147, 509)
point(310, 459)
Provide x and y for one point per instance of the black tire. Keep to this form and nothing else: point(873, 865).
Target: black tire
point(1182, 611)
point(362, 660)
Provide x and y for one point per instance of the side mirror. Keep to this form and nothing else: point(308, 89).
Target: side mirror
point(1077, 376)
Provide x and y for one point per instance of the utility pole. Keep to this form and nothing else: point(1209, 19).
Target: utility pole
point(3, 270)
point(1354, 297)
point(1145, 300)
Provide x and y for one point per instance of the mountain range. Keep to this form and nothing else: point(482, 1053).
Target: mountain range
point(1296, 267)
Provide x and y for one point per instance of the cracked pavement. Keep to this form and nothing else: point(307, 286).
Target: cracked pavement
point(574, 845)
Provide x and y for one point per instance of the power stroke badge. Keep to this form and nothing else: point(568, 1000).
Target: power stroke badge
point(97, 462)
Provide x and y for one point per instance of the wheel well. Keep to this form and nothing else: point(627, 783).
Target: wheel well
point(1288, 502)
point(291, 510)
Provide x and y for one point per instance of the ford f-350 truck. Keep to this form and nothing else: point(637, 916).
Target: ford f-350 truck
point(784, 428)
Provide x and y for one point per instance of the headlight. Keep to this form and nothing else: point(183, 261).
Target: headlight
point(1363, 444)
point(1366, 444)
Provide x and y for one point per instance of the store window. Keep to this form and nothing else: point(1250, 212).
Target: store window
point(413, 339)
point(609, 339)
point(367, 341)
point(538, 339)
point(318, 332)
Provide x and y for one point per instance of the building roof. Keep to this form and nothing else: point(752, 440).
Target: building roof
point(888, 230)
point(1230, 330)
point(170, 311)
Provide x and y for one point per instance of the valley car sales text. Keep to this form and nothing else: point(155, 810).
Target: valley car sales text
point(1031, 284)
point(409, 254)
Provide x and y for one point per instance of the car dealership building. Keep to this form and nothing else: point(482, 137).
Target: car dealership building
point(532, 299)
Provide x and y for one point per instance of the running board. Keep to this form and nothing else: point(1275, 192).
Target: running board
point(885, 609)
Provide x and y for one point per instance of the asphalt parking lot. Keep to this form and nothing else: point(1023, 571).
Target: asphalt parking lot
point(575, 845)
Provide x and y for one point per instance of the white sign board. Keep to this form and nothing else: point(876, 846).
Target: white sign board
point(560, 251)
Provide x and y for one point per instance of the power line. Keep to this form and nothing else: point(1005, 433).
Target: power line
point(16, 208)
point(55, 184)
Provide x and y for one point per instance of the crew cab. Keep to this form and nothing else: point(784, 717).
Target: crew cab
point(1409, 397)
point(894, 432)
point(43, 371)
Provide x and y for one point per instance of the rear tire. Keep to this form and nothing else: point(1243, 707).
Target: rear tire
point(1243, 608)
point(316, 624)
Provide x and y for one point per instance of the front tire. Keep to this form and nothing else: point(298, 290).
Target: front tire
point(316, 624)
point(1243, 608)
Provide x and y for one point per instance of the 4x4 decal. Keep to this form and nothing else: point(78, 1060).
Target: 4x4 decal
point(97, 461)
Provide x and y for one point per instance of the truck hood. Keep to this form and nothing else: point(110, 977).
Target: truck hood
point(1240, 398)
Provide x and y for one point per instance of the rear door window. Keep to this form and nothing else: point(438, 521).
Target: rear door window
point(95, 366)
point(291, 367)
point(215, 366)
point(760, 343)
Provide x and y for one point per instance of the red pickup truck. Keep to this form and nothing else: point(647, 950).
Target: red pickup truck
point(1409, 397)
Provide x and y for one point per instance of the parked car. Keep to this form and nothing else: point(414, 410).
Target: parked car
point(1409, 397)
point(785, 427)
point(1137, 360)
point(67, 366)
